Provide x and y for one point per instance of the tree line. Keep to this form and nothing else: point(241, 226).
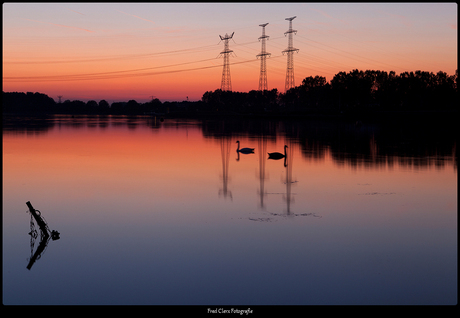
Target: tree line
point(353, 92)
point(19, 102)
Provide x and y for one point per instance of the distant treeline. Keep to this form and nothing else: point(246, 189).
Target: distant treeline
point(353, 92)
point(356, 92)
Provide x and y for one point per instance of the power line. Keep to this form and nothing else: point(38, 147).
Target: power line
point(357, 57)
point(263, 86)
point(316, 62)
point(290, 57)
point(226, 83)
point(107, 75)
point(111, 58)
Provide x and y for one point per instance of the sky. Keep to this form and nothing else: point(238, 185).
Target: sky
point(171, 51)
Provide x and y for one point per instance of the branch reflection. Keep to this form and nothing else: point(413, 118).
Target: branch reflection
point(45, 235)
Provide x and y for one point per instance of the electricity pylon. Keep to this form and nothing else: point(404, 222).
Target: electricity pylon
point(226, 84)
point(290, 57)
point(263, 86)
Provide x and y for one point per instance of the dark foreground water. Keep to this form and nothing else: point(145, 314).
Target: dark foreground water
point(167, 212)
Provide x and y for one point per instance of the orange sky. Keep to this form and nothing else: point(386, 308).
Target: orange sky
point(121, 51)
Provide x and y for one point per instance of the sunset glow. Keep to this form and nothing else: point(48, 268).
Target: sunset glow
point(123, 51)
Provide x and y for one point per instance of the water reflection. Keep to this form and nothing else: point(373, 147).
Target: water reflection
point(28, 125)
point(369, 144)
point(245, 151)
point(225, 148)
point(288, 160)
point(44, 239)
point(124, 186)
point(262, 143)
point(379, 144)
point(45, 235)
point(278, 155)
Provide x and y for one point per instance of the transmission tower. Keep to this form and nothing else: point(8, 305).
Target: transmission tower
point(60, 98)
point(226, 84)
point(290, 57)
point(263, 63)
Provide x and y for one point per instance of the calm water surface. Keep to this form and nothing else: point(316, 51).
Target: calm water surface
point(168, 213)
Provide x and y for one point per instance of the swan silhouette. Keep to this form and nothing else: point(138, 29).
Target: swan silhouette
point(277, 155)
point(244, 150)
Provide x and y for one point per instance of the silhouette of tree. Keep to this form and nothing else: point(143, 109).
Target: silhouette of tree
point(444, 90)
point(74, 107)
point(314, 93)
point(91, 107)
point(103, 107)
point(154, 106)
point(117, 108)
point(354, 92)
point(27, 102)
point(353, 89)
point(132, 107)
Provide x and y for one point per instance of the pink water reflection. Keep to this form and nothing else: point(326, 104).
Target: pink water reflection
point(173, 196)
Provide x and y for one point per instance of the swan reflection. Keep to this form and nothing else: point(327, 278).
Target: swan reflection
point(286, 179)
point(288, 159)
point(225, 145)
point(278, 155)
point(245, 151)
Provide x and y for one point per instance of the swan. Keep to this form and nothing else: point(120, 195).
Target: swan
point(277, 155)
point(244, 150)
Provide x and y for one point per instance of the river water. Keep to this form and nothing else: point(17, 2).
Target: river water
point(167, 212)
